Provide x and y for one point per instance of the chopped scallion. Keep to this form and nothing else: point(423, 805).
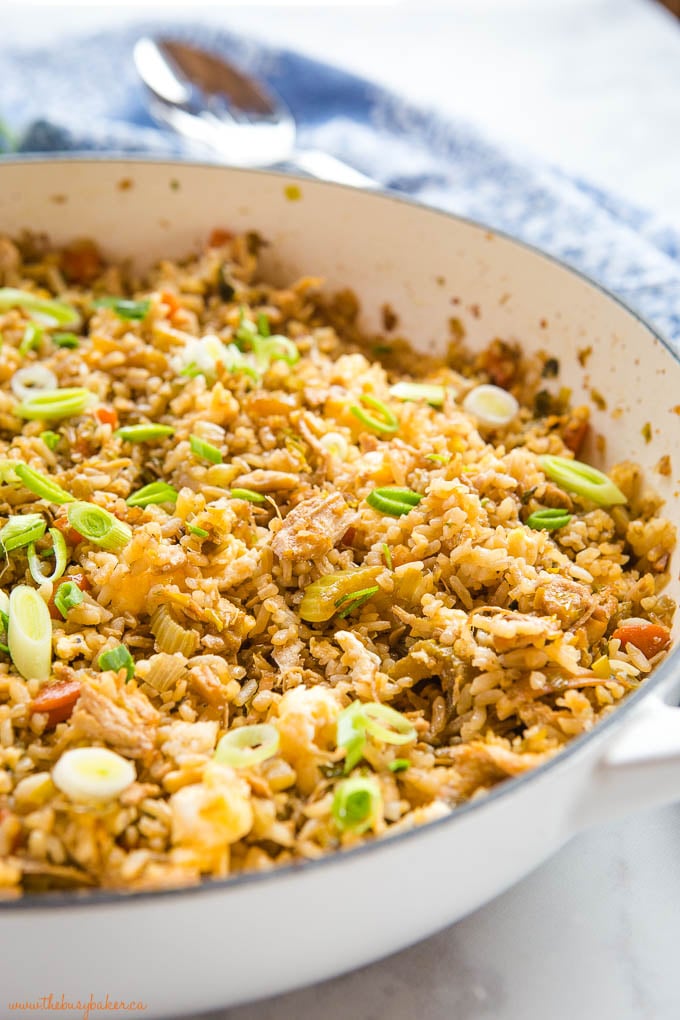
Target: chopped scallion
point(584, 480)
point(98, 525)
point(201, 448)
point(54, 404)
point(50, 439)
point(393, 500)
point(93, 775)
point(248, 494)
point(30, 341)
point(42, 486)
point(193, 529)
point(153, 493)
point(29, 633)
point(21, 530)
point(248, 745)
point(68, 595)
point(399, 765)
point(144, 433)
point(60, 559)
point(49, 312)
point(125, 308)
point(548, 519)
point(118, 658)
point(67, 340)
point(428, 393)
point(356, 804)
point(387, 423)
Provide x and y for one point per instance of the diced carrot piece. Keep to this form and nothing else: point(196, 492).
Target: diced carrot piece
point(107, 416)
point(57, 700)
point(219, 237)
point(70, 534)
point(170, 299)
point(650, 638)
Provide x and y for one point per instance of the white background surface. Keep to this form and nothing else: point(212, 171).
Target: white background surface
point(592, 85)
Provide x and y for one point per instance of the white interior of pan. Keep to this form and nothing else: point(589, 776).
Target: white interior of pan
point(427, 266)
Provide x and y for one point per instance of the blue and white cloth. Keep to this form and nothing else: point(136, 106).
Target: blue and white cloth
point(85, 96)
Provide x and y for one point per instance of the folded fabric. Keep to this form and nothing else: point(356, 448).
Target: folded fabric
point(85, 96)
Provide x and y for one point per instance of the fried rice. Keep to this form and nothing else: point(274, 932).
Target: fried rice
point(268, 591)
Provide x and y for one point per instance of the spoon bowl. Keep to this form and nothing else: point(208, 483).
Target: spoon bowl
point(210, 101)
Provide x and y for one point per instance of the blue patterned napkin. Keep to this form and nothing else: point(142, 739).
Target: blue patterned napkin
point(84, 95)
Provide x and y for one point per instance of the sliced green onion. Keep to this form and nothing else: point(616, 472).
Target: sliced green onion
point(247, 494)
point(584, 480)
point(351, 734)
point(50, 439)
point(29, 634)
point(393, 500)
point(274, 348)
point(42, 486)
point(388, 423)
point(68, 595)
point(118, 658)
point(438, 458)
point(144, 433)
point(68, 340)
point(193, 529)
point(548, 519)
point(388, 556)
point(356, 599)
point(51, 313)
point(93, 775)
point(30, 341)
point(53, 404)
point(32, 379)
point(263, 325)
point(21, 530)
point(154, 492)
point(98, 525)
point(397, 729)
point(491, 405)
point(125, 308)
point(399, 765)
point(356, 804)
point(201, 448)
point(248, 745)
point(430, 393)
point(60, 559)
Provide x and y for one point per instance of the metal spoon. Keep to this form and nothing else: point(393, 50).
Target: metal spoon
point(208, 100)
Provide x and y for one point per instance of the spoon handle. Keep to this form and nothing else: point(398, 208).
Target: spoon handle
point(328, 168)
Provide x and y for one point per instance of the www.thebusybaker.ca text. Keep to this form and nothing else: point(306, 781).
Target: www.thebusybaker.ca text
point(82, 1006)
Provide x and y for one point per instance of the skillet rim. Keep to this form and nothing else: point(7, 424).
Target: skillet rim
point(84, 899)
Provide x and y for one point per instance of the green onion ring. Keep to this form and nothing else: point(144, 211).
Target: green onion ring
point(393, 500)
point(248, 494)
point(60, 559)
point(116, 659)
point(430, 393)
point(21, 530)
point(51, 313)
point(98, 526)
point(53, 404)
point(356, 803)
point(248, 745)
point(29, 634)
point(201, 448)
point(144, 433)
point(584, 480)
point(397, 729)
point(153, 493)
point(68, 595)
point(548, 519)
point(388, 423)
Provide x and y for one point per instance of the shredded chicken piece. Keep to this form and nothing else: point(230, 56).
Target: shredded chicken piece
point(568, 600)
point(313, 527)
point(126, 724)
